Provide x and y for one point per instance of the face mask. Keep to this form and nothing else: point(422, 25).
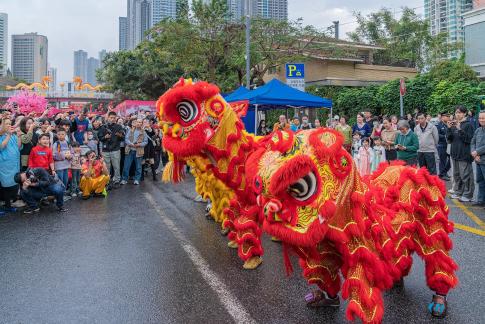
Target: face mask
point(90, 137)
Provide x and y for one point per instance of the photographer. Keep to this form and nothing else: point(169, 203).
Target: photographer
point(36, 184)
point(95, 176)
point(111, 135)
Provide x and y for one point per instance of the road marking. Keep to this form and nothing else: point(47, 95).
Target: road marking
point(232, 305)
point(469, 229)
point(469, 213)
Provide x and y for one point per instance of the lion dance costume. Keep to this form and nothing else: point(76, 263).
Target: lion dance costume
point(304, 189)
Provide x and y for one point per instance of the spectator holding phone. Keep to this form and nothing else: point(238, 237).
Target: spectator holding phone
point(95, 176)
point(9, 163)
point(407, 144)
point(460, 134)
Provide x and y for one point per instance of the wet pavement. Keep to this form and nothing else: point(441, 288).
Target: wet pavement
point(147, 254)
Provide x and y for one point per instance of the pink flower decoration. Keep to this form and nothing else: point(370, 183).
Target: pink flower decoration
point(27, 102)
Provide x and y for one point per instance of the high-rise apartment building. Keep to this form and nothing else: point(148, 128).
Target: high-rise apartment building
point(3, 43)
point(52, 72)
point(81, 64)
point(162, 9)
point(101, 56)
point(273, 9)
point(29, 57)
point(138, 21)
point(93, 66)
point(270, 9)
point(123, 33)
point(445, 16)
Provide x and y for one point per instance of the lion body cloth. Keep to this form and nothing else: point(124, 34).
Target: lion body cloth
point(352, 235)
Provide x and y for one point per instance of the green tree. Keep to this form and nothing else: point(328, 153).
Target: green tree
point(406, 41)
point(453, 71)
point(448, 94)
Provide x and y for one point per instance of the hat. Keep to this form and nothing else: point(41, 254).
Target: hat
point(336, 117)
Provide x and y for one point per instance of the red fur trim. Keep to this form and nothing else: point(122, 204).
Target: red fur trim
point(193, 145)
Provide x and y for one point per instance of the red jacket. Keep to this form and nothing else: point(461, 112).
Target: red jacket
point(40, 157)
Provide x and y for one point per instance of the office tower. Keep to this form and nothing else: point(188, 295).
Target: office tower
point(162, 9)
point(138, 21)
point(29, 57)
point(93, 66)
point(81, 64)
point(52, 72)
point(445, 16)
point(102, 55)
point(123, 33)
point(3, 43)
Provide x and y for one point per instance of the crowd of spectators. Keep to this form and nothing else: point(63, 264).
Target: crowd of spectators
point(449, 142)
point(73, 155)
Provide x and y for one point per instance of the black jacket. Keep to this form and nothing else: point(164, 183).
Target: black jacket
point(460, 140)
point(442, 129)
point(111, 144)
point(40, 177)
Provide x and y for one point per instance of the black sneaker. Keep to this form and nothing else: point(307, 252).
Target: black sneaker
point(30, 210)
point(62, 209)
point(98, 195)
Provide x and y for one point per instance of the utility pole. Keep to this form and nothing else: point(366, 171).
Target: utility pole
point(248, 45)
point(336, 28)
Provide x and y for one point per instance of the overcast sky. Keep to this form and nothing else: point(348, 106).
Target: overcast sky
point(92, 25)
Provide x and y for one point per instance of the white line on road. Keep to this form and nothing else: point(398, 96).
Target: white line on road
point(232, 305)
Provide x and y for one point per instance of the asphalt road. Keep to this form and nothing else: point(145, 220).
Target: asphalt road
point(147, 254)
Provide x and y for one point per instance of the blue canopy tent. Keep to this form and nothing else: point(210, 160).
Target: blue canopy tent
point(236, 93)
point(273, 95)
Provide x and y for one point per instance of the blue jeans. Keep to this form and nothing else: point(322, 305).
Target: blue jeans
point(33, 195)
point(481, 182)
point(75, 180)
point(129, 158)
point(63, 176)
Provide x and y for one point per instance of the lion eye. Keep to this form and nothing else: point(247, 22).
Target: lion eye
point(304, 188)
point(187, 110)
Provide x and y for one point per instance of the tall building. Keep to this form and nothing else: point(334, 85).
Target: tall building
point(81, 64)
point(273, 9)
point(123, 34)
point(102, 55)
point(161, 9)
point(3, 43)
point(29, 57)
point(445, 16)
point(138, 21)
point(270, 9)
point(52, 72)
point(474, 45)
point(93, 65)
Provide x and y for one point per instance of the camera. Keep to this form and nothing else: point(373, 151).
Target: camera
point(31, 176)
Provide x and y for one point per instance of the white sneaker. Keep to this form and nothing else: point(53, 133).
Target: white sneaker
point(455, 196)
point(136, 183)
point(451, 191)
point(464, 199)
point(123, 182)
point(19, 204)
